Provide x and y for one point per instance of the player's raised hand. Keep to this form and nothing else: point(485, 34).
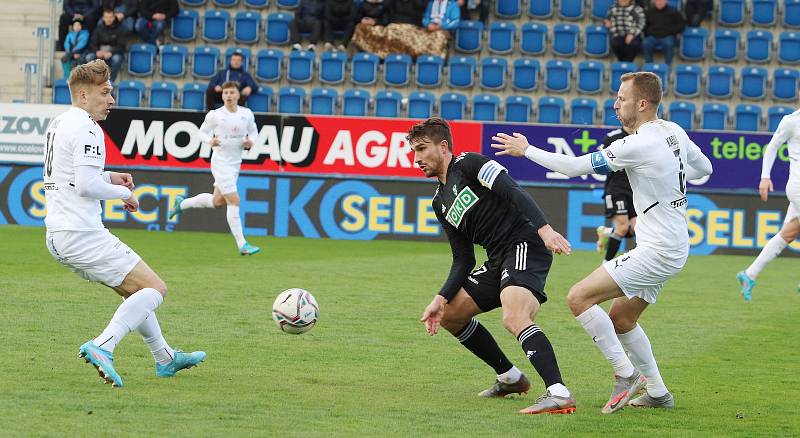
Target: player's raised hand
point(513, 145)
point(131, 204)
point(764, 187)
point(122, 179)
point(215, 141)
point(554, 241)
point(432, 316)
point(247, 143)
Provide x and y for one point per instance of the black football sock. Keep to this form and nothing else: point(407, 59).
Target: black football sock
point(539, 351)
point(612, 248)
point(480, 342)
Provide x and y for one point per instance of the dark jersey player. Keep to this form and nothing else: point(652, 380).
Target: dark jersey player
point(478, 203)
point(618, 199)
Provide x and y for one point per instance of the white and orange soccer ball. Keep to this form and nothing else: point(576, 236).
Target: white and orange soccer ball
point(295, 311)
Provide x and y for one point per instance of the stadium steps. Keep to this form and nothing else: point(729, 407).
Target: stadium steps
point(19, 21)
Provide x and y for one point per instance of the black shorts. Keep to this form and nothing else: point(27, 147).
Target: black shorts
point(525, 264)
point(618, 204)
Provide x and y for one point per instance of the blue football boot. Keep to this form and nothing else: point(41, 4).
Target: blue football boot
point(181, 361)
point(176, 207)
point(747, 284)
point(248, 249)
point(103, 361)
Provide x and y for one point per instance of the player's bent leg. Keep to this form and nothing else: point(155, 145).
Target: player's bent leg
point(747, 278)
point(235, 224)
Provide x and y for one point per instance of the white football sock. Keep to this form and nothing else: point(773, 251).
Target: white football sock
point(558, 389)
point(510, 376)
point(203, 200)
point(235, 224)
point(151, 334)
point(599, 326)
point(641, 354)
point(128, 317)
point(771, 250)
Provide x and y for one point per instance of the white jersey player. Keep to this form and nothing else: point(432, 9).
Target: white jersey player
point(74, 184)
point(788, 132)
point(659, 158)
point(228, 129)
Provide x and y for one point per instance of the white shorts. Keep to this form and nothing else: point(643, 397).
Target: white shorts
point(642, 271)
point(94, 255)
point(225, 178)
point(793, 193)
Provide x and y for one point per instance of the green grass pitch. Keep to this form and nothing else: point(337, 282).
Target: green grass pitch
point(368, 368)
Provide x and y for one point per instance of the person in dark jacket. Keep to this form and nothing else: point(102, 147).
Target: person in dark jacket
point(373, 13)
point(482, 6)
point(154, 15)
point(664, 24)
point(340, 15)
point(696, 11)
point(108, 43)
point(407, 12)
point(125, 12)
point(235, 72)
point(88, 11)
point(308, 18)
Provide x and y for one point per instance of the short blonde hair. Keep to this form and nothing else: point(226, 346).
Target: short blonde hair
point(92, 73)
point(646, 85)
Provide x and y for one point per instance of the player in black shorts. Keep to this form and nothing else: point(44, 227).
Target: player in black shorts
point(476, 202)
point(618, 198)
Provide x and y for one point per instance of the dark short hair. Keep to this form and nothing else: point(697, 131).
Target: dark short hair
point(434, 129)
point(108, 11)
point(230, 84)
point(239, 54)
point(646, 85)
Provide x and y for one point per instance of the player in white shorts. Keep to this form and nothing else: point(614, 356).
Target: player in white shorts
point(788, 132)
point(74, 184)
point(228, 129)
point(659, 158)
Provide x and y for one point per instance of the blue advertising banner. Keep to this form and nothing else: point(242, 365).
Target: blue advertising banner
point(736, 156)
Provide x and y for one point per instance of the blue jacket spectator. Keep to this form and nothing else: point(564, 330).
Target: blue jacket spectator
point(75, 46)
point(308, 18)
point(236, 73)
point(154, 15)
point(87, 11)
point(108, 43)
point(442, 15)
point(125, 12)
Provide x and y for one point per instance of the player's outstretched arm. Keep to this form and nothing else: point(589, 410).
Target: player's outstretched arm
point(517, 146)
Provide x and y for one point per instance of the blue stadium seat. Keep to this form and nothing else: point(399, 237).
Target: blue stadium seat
point(720, 80)
point(747, 117)
point(508, 8)
point(194, 3)
point(540, 8)
point(617, 70)
point(290, 100)
point(677, 4)
point(565, 39)
point(364, 68)
point(246, 56)
point(162, 94)
point(726, 45)
point(785, 83)
point(493, 73)
point(247, 27)
point(469, 36)
point(485, 107)
point(688, 78)
point(525, 74)
point(730, 12)
point(789, 48)
point(288, 4)
point(453, 106)
point(715, 116)
point(205, 61)
point(600, 8)
point(260, 100)
point(300, 67)
point(550, 109)
point(184, 25)
point(256, 4)
point(462, 71)
point(141, 59)
point(558, 75)
point(758, 46)
point(501, 37)
point(518, 108)
point(582, 111)
point(570, 9)
point(590, 77)
point(595, 42)
point(533, 37)
point(278, 27)
point(332, 66)
point(609, 114)
point(323, 101)
point(387, 103)
point(61, 94)
point(397, 69)
point(764, 12)
point(173, 60)
point(130, 93)
point(225, 3)
point(429, 71)
point(791, 13)
point(215, 25)
point(269, 64)
point(662, 70)
point(420, 104)
point(193, 96)
point(355, 102)
point(775, 114)
point(682, 113)
point(693, 43)
point(753, 83)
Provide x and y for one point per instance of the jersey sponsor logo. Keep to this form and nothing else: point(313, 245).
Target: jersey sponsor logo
point(470, 278)
point(463, 202)
point(678, 202)
point(89, 149)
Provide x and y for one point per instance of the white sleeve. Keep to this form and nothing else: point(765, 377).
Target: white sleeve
point(624, 153)
point(771, 151)
point(568, 165)
point(252, 129)
point(89, 183)
point(206, 131)
point(698, 165)
point(90, 147)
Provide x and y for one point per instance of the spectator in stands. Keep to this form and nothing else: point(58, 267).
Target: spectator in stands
point(407, 12)
point(75, 44)
point(482, 6)
point(340, 15)
point(373, 13)
point(696, 11)
point(235, 72)
point(154, 15)
point(108, 43)
point(664, 24)
point(625, 22)
point(403, 34)
point(124, 11)
point(441, 15)
point(87, 11)
point(307, 18)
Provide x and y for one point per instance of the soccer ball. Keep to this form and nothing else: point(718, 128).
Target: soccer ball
point(295, 311)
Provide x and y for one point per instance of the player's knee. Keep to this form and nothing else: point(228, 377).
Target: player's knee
point(576, 301)
point(622, 229)
point(622, 323)
point(515, 321)
point(219, 202)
